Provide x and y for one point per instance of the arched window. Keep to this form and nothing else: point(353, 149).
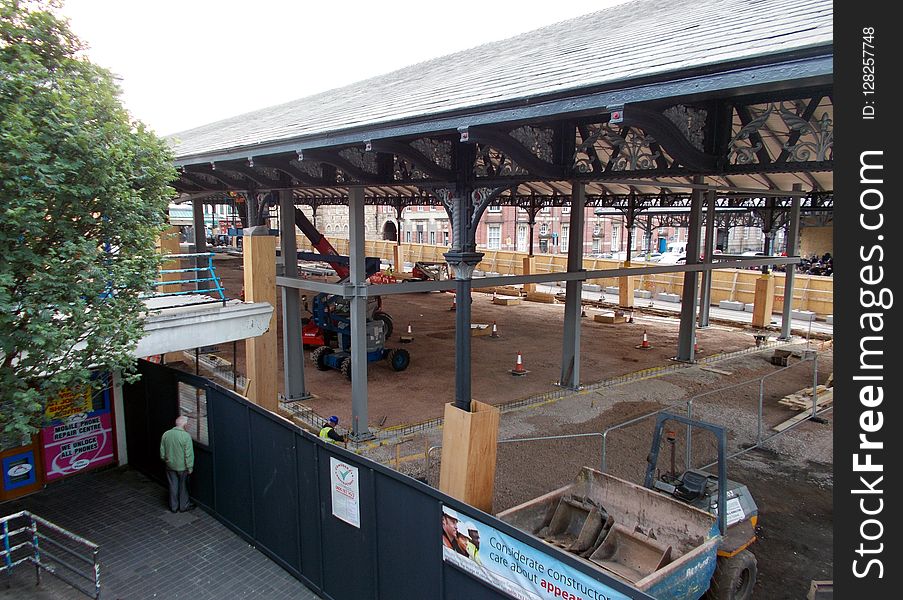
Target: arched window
point(543, 228)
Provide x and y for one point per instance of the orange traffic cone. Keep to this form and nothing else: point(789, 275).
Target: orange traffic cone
point(454, 306)
point(645, 345)
point(495, 331)
point(519, 366)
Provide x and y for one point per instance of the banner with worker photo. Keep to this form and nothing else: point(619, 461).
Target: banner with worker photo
point(515, 568)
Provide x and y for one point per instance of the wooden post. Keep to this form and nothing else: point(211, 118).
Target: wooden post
point(764, 301)
point(625, 290)
point(399, 258)
point(469, 444)
point(261, 358)
point(529, 269)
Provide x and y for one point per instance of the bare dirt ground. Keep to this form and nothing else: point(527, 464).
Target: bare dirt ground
point(790, 476)
point(535, 330)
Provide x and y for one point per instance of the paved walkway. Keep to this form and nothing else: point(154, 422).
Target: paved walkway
point(145, 550)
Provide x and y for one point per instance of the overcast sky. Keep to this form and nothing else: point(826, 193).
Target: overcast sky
point(185, 63)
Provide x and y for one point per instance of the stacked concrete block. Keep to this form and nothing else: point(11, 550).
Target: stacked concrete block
point(666, 297)
point(802, 315)
point(612, 289)
point(731, 305)
point(591, 287)
point(642, 294)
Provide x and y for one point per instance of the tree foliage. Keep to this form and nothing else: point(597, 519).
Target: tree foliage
point(83, 196)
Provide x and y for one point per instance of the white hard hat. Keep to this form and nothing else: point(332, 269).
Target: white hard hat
point(462, 529)
point(471, 527)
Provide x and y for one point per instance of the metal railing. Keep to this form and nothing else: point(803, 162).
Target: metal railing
point(203, 286)
point(27, 538)
point(810, 356)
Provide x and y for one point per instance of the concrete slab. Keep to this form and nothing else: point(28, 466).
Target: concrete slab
point(829, 319)
point(612, 289)
point(642, 294)
point(592, 287)
point(749, 307)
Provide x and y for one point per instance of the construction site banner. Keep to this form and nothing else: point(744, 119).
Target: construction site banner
point(512, 567)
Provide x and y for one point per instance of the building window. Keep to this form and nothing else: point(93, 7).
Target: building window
point(495, 237)
point(521, 238)
point(546, 209)
point(543, 228)
point(615, 241)
point(566, 209)
point(494, 209)
point(543, 245)
point(419, 236)
point(420, 208)
point(193, 405)
point(564, 237)
point(432, 238)
point(407, 236)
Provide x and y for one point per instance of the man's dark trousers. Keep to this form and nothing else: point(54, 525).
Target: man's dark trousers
point(178, 490)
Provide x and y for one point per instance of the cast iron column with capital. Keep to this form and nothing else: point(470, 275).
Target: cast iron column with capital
point(463, 258)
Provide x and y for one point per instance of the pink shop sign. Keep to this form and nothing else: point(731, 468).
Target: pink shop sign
point(77, 443)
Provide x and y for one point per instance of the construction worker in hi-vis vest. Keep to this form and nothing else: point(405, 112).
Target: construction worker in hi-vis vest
point(329, 433)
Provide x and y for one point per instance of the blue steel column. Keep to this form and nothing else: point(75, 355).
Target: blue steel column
point(793, 232)
point(360, 428)
point(292, 350)
point(705, 299)
point(690, 297)
point(570, 353)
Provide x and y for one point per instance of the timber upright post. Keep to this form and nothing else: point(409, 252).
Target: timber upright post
point(626, 284)
point(261, 356)
point(470, 430)
point(763, 301)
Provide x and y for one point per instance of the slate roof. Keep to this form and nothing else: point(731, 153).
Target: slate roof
point(639, 39)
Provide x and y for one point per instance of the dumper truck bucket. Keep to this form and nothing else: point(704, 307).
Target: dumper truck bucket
point(630, 554)
point(577, 524)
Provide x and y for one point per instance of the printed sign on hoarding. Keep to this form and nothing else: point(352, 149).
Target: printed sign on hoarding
point(346, 500)
point(513, 567)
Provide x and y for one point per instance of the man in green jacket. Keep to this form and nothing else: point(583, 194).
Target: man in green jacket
point(177, 451)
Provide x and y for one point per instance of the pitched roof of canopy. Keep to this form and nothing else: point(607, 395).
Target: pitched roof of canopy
point(639, 40)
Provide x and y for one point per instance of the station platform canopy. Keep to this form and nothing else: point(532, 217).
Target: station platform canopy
point(639, 100)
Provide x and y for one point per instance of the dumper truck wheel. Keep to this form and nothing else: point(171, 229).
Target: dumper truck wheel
point(734, 577)
point(346, 368)
point(318, 357)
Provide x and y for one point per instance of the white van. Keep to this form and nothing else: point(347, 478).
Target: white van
point(676, 252)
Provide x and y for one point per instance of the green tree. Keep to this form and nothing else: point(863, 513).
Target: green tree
point(83, 196)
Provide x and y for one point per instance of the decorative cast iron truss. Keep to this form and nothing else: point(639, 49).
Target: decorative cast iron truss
point(742, 141)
